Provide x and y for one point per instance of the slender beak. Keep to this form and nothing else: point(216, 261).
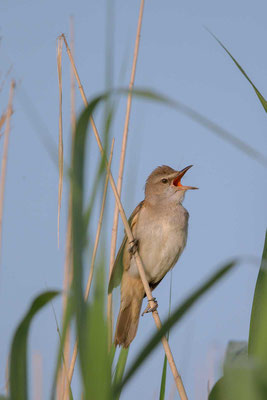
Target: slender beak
point(177, 180)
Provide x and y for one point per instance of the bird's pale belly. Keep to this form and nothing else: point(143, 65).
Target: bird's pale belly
point(160, 245)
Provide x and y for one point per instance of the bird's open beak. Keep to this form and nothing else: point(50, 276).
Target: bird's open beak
point(177, 179)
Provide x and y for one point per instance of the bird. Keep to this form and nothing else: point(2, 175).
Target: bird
point(159, 225)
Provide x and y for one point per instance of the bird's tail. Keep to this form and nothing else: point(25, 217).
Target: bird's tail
point(132, 293)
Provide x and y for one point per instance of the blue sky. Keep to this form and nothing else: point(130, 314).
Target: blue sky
point(227, 215)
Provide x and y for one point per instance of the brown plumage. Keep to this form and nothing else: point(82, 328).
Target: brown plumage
point(132, 293)
point(159, 223)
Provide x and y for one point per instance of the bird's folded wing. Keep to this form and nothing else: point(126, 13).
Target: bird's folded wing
point(117, 270)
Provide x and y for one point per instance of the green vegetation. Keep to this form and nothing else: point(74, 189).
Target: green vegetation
point(102, 377)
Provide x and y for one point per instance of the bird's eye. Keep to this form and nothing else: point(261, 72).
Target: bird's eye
point(164, 180)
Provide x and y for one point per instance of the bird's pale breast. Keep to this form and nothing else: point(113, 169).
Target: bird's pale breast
point(162, 237)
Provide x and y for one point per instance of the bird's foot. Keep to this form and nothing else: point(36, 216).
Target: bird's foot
point(150, 309)
point(133, 247)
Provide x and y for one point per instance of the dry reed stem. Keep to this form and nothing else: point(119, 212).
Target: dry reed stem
point(122, 162)
point(61, 370)
point(2, 121)
point(72, 81)
point(4, 157)
point(71, 368)
point(176, 375)
point(61, 377)
point(66, 286)
point(60, 136)
point(89, 282)
point(68, 268)
point(90, 277)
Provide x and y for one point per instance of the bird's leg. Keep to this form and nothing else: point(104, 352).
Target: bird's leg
point(150, 309)
point(133, 247)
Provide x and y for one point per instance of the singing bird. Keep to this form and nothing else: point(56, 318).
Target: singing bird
point(159, 225)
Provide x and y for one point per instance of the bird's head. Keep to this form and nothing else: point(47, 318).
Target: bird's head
point(165, 183)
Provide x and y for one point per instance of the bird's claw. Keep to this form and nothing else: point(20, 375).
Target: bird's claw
point(133, 247)
point(150, 309)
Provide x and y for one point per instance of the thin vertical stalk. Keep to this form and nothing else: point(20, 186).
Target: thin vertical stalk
point(68, 268)
point(62, 372)
point(176, 375)
point(4, 158)
point(59, 388)
point(72, 81)
point(66, 286)
point(90, 277)
point(89, 282)
point(60, 136)
point(2, 121)
point(122, 161)
point(61, 377)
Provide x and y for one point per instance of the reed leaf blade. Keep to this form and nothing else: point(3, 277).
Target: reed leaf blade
point(257, 344)
point(260, 96)
point(18, 357)
point(120, 368)
point(98, 366)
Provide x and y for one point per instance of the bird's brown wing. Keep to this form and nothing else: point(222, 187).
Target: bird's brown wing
point(123, 257)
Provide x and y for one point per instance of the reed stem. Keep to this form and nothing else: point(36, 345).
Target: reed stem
point(176, 375)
